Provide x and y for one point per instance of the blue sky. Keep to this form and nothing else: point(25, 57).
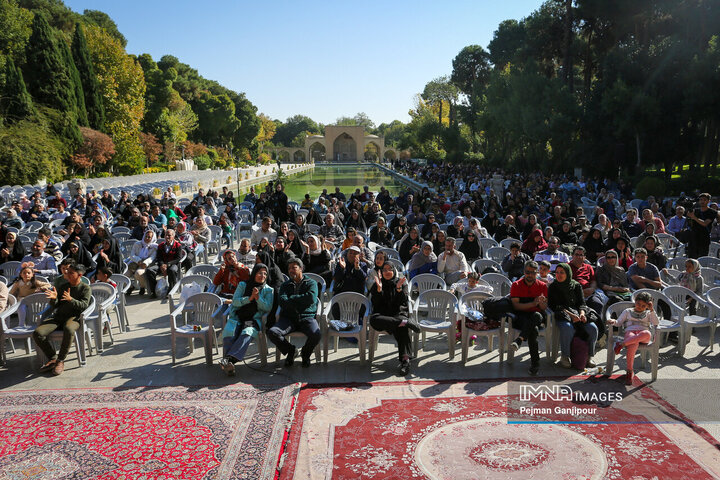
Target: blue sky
point(321, 59)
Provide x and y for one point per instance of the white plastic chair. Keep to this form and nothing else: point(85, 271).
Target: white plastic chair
point(82, 335)
point(499, 283)
point(198, 310)
point(667, 325)
point(421, 283)
point(204, 269)
point(653, 348)
point(678, 263)
point(509, 241)
point(473, 301)
point(291, 335)
point(123, 285)
point(713, 299)
point(322, 288)
point(104, 295)
point(389, 253)
point(440, 306)
point(486, 244)
point(481, 264)
point(711, 262)
point(10, 269)
point(349, 305)
point(7, 333)
point(205, 282)
point(497, 254)
point(678, 294)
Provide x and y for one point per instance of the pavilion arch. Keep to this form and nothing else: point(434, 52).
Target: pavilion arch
point(345, 148)
point(283, 156)
point(317, 152)
point(299, 156)
point(390, 154)
point(372, 152)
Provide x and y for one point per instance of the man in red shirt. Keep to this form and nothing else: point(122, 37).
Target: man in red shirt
point(529, 298)
point(584, 274)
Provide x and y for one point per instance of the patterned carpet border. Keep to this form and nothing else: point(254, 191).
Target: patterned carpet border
point(238, 430)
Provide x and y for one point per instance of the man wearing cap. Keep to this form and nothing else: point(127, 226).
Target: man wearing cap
point(298, 301)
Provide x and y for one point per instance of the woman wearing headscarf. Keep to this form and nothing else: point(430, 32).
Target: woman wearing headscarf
point(295, 245)
point(187, 240)
point(470, 247)
point(692, 280)
point(409, 245)
point(566, 300)
point(401, 228)
point(594, 245)
point(534, 243)
point(423, 261)
point(566, 235)
point(655, 254)
point(80, 254)
point(649, 231)
point(317, 258)
point(78, 232)
point(356, 221)
point(299, 226)
point(376, 270)
point(491, 222)
point(612, 279)
point(110, 255)
point(380, 234)
point(438, 242)
point(624, 253)
point(252, 299)
point(389, 297)
point(12, 250)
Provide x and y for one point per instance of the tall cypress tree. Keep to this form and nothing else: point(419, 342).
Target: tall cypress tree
point(48, 78)
point(15, 101)
point(91, 88)
point(75, 84)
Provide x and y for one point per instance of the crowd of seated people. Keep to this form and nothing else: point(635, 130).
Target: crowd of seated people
point(561, 253)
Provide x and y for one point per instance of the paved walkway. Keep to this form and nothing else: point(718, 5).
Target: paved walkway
point(141, 357)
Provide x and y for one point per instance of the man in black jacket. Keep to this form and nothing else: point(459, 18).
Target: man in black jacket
point(298, 301)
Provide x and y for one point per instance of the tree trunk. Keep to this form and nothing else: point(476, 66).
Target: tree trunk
point(637, 149)
point(587, 74)
point(567, 54)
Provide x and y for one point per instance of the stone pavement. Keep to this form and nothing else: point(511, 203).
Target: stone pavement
point(141, 357)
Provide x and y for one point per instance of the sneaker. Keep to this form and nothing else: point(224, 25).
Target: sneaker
point(290, 358)
point(305, 362)
point(413, 325)
point(629, 378)
point(565, 362)
point(404, 368)
point(130, 290)
point(533, 370)
point(48, 366)
point(141, 292)
point(618, 347)
point(59, 367)
point(590, 364)
point(228, 367)
point(514, 346)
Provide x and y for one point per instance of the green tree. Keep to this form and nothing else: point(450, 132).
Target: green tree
point(293, 126)
point(216, 118)
point(470, 66)
point(122, 85)
point(75, 84)
point(29, 151)
point(46, 71)
point(15, 29)
point(103, 20)
point(15, 102)
point(439, 92)
point(90, 86)
point(360, 119)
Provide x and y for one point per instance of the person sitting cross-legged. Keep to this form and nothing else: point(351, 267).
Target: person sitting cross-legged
point(298, 299)
point(253, 298)
point(68, 303)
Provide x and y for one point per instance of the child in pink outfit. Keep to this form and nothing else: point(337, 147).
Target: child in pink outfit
point(637, 321)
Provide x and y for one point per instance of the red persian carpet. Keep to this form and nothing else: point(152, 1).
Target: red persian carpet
point(148, 433)
point(474, 430)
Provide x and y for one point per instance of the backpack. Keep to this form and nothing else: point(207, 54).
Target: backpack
point(497, 307)
point(579, 353)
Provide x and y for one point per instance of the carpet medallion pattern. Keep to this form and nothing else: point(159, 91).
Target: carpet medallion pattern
point(160, 433)
point(469, 430)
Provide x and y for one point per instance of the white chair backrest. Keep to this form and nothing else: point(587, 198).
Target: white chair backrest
point(349, 304)
point(499, 282)
point(102, 293)
point(427, 281)
point(487, 243)
point(472, 301)
point(678, 263)
point(509, 241)
point(123, 282)
point(711, 262)
point(204, 269)
point(481, 264)
point(320, 281)
point(34, 305)
point(617, 308)
point(203, 307)
point(497, 254)
point(440, 304)
point(389, 253)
